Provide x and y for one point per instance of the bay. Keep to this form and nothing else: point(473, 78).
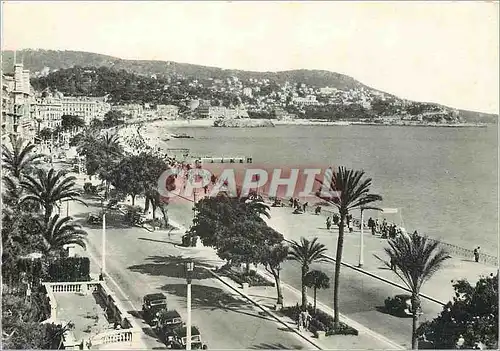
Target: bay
point(444, 180)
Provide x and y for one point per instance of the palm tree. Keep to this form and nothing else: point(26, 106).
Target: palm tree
point(317, 280)
point(49, 188)
point(18, 159)
point(349, 191)
point(61, 231)
point(306, 252)
point(416, 259)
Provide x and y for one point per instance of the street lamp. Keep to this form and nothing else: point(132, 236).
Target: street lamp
point(361, 245)
point(189, 273)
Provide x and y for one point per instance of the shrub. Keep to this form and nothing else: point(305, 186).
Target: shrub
point(321, 321)
point(69, 269)
point(252, 277)
point(133, 215)
point(88, 188)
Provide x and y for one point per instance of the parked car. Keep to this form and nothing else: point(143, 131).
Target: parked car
point(399, 305)
point(176, 339)
point(152, 305)
point(95, 218)
point(167, 321)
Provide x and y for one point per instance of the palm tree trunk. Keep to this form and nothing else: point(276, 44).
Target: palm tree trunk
point(146, 204)
point(315, 299)
point(48, 213)
point(304, 287)
point(133, 200)
point(415, 302)
point(338, 261)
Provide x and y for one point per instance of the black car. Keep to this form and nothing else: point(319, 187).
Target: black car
point(152, 305)
point(399, 306)
point(176, 339)
point(167, 321)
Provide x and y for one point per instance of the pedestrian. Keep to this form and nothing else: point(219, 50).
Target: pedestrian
point(307, 319)
point(101, 278)
point(300, 322)
point(304, 206)
point(393, 264)
point(328, 223)
point(318, 210)
point(371, 225)
point(476, 254)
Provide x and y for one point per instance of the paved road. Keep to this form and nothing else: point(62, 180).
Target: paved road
point(142, 262)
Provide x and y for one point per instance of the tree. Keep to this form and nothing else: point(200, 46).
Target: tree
point(416, 259)
point(306, 252)
point(61, 231)
point(19, 158)
point(49, 188)
point(128, 176)
point(272, 258)
point(472, 315)
point(46, 133)
point(317, 280)
point(113, 118)
point(349, 191)
point(71, 123)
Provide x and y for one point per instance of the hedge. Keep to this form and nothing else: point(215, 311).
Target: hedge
point(66, 269)
point(252, 278)
point(70, 269)
point(321, 321)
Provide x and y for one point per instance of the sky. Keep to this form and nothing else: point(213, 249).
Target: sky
point(444, 52)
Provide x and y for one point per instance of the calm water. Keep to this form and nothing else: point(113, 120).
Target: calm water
point(443, 179)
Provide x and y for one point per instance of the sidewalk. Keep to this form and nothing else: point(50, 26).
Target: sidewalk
point(308, 225)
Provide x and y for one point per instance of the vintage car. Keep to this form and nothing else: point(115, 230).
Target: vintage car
point(95, 218)
point(176, 339)
point(399, 306)
point(152, 305)
point(167, 321)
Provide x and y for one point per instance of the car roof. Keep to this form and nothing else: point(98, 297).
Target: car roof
point(194, 331)
point(156, 296)
point(172, 314)
point(403, 296)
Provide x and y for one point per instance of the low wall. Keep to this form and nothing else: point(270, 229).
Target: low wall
point(130, 332)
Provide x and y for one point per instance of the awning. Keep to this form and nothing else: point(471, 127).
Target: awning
point(390, 210)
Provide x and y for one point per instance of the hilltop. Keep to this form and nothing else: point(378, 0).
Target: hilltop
point(36, 60)
point(74, 72)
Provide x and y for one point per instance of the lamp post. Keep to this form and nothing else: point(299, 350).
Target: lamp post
point(189, 273)
point(361, 244)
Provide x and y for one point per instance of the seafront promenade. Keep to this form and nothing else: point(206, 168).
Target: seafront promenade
point(309, 225)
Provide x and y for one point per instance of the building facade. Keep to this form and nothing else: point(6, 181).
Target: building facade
point(47, 112)
point(17, 96)
point(167, 111)
point(88, 108)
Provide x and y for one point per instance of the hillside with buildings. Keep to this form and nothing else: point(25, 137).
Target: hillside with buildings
point(35, 100)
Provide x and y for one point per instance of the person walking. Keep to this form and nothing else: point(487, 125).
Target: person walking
point(393, 264)
point(371, 225)
point(300, 322)
point(328, 223)
point(476, 254)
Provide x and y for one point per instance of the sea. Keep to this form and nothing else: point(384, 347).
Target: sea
point(444, 181)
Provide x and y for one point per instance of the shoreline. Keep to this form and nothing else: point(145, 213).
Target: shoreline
point(197, 123)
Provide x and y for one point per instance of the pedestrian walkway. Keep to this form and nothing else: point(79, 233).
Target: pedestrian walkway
point(307, 225)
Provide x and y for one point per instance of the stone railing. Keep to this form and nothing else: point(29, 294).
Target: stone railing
point(117, 336)
point(130, 332)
